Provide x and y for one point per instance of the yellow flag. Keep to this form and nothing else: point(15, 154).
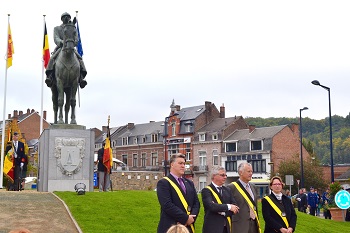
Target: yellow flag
point(10, 49)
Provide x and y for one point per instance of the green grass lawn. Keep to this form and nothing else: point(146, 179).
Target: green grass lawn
point(138, 211)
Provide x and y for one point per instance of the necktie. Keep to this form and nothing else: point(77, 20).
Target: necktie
point(251, 211)
point(220, 190)
point(182, 184)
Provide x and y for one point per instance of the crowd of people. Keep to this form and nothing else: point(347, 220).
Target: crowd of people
point(231, 208)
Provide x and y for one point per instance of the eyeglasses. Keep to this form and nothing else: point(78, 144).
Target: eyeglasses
point(277, 184)
point(223, 175)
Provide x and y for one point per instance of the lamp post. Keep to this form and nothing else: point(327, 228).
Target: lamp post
point(317, 83)
point(301, 149)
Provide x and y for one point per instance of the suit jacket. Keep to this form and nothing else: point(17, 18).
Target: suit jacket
point(241, 221)
point(213, 221)
point(171, 208)
point(273, 222)
point(20, 153)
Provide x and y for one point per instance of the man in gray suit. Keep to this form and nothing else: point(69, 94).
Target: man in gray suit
point(246, 220)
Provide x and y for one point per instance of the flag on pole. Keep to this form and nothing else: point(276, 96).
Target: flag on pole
point(107, 153)
point(10, 49)
point(79, 45)
point(46, 50)
point(8, 165)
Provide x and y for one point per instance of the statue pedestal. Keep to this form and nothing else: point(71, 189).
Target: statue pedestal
point(66, 157)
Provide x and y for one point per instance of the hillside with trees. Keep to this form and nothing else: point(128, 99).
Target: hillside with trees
point(316, 135)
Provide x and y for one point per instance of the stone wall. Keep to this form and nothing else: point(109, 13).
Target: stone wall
point(135, 180)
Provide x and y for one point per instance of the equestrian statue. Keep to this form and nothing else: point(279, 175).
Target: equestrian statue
point(65, 71)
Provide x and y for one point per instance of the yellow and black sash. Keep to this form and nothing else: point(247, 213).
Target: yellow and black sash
point(182, 198)
point(218, 200)
point(278, 210)
point(249, 201)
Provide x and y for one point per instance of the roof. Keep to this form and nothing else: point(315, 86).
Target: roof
point(257, 133)
point(144, 129)
point(190, 112)
point(218, 124)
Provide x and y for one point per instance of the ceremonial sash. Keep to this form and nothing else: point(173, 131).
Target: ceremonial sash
point(182, 198)
point(219, 202)
point(247, 199)
point(278, 210)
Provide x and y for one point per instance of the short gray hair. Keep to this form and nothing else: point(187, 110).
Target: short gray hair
point(175, 156)
point(241, 166)
point(215, 170)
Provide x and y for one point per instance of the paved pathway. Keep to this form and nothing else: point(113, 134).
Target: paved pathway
point(39, 212)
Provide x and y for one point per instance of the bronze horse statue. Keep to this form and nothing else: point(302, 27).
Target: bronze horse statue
point(67, 72)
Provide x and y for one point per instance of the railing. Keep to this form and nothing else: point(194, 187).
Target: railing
point(201, 168)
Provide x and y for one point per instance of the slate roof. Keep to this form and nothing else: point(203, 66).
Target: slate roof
point(218, 124)
point(144, 129)
point(190, 113)
point(257, 133)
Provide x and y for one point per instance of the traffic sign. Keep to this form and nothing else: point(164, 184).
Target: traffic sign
point(342, 199)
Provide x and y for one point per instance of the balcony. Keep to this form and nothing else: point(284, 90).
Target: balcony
point(200, 169)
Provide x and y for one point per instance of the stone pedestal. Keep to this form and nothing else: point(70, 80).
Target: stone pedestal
point(66, 157)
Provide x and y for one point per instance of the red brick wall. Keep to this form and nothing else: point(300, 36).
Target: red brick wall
point(30, 127)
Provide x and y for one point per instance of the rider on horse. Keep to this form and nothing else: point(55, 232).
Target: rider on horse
point(58, 38)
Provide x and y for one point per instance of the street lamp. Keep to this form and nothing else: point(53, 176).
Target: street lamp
point(317, 83)
point(301, 149)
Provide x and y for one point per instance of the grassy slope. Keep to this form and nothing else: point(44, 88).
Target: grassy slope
point(138, 211)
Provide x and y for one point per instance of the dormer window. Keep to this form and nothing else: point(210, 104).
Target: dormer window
point(201, 137)
point(214, 137)
point(256, 145)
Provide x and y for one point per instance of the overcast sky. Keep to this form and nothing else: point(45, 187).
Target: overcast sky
point(258, 58)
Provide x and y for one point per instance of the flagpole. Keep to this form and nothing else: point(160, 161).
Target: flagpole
point(42, 84)
point(4, 111)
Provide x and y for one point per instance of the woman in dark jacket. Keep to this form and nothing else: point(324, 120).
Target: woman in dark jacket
point(278, 210)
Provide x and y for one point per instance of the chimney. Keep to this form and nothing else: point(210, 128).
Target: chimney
point(15, 113)
point(222, 111)
point(295, 128)
point(20, 113)
point(131, 125)
point(28, 111)
point(44, 115)
point(177, 108)
point(9, 116)
point(32, 111)
point(251, 128)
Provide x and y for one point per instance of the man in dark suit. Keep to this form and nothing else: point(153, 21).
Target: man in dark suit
point(219, 204)
point(244, 192)
point(19, 159)
point(177, 197)
point(103, 175)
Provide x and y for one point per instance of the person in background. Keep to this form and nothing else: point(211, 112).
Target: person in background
point(103, 175)
point(177, 229)
point(244, 192)
point(288, 194)
point(177, 197)
point(312, 201)
point(302, 201)
point(219, 204)
point(325, 199)
point(19, 158)
point(278, 210)
point(318, 209)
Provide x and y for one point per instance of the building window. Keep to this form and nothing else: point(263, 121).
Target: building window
point(154, 137)
point(201, 137)
point(125, 141)
point(144, 139)
point(143, 160)
point(214, 137)
point(256, 145)
point(173, 149)
point(202, 182)
point(258, 165)
point(173, 128)
point(188, 128)
point(231, 147)
point(215, 157)
point(231, 166)
point(154, 157)
point(202, 158)
point(134, 160)
point(125, 159)
point(188, 152)
point(135, 140)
